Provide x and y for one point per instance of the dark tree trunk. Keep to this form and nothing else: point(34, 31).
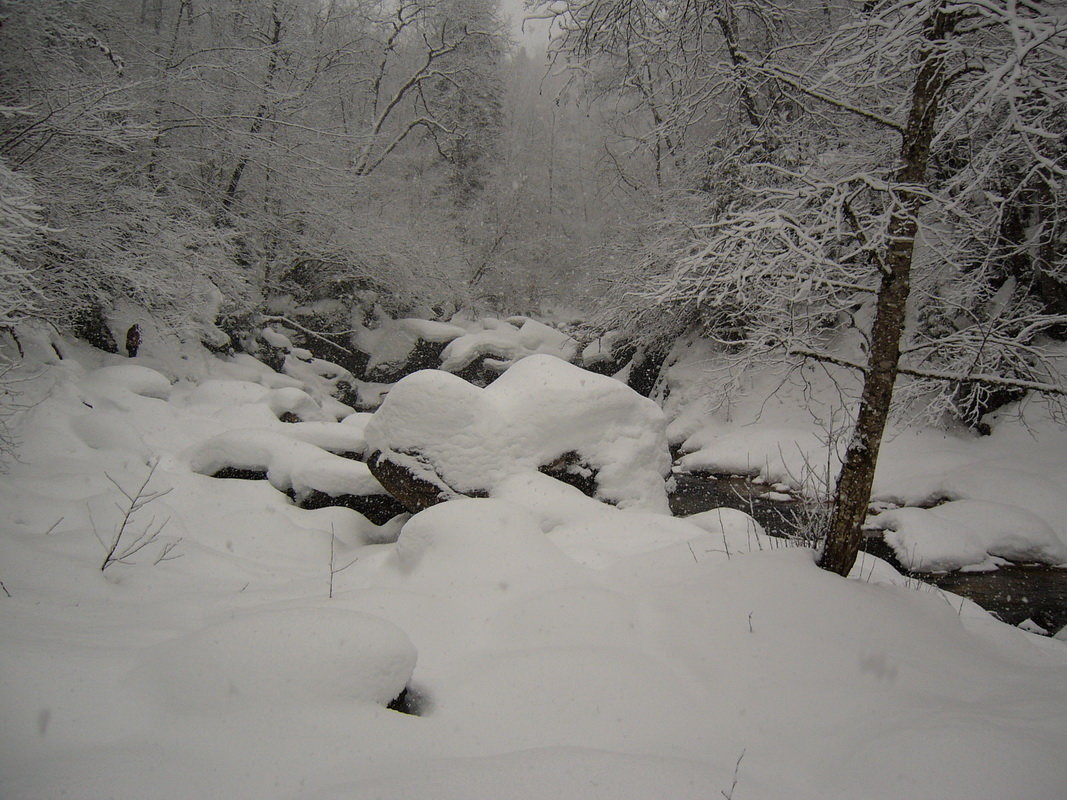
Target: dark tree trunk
point(261, 115)
point(854, 483)
point(729, 34)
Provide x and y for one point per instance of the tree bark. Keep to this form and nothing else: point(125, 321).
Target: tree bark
point(230, 193)
point(853, 492)
point(729, 35)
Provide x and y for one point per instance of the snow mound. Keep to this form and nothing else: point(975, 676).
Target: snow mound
point(727, 522)
point(229, 394)
point(775, 454)
point(562, 773)
point(507, 344)
point(597, 535)
point(963, 533)
point(290, 464)
point(297, 402)
point(478, 540)
point(101, 429)
point(225, 392)
point(131, 377)
point(281, 656)
point(335, 437)
point(466, 439)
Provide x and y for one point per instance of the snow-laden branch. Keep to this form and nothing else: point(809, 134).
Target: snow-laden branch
point(1041, 387)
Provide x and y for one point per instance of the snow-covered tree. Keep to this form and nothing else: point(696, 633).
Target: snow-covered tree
point(914, 190)
point(20, 230)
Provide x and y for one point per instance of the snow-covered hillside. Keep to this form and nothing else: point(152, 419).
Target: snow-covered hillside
point(553, 646)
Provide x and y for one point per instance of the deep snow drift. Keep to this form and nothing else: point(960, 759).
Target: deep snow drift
point(557, 647)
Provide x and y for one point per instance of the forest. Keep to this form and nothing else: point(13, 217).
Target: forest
point(635, 324)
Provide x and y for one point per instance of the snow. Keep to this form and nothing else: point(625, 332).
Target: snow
point(785, 425)
point(963, 533)
point(290, 464)
point(539, 410)
point(318, 655)
point(507, 343)
point(436, 547)
point(601, 349)
point(392, 342)
point(562, 648)
point(345, 436)
point(131, 378)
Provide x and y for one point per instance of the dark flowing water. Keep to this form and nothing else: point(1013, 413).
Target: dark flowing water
point(1014, 593)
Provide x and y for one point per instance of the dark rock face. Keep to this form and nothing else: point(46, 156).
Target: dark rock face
point(645, 371)
point(479, 372)
point(425, 355)
point(355, 361)
point(378, 508)
point(572, 470)
point(612, 363)
point(91, 325)
point(236, 473)
point(414, 493)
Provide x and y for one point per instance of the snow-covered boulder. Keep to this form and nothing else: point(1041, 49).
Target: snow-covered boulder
point(607, 354)
point(479, 541)
point(398, 347)
point(314, 477)
point(968, 533)
point(437, 437)
point(501, 345)
point(131, 378)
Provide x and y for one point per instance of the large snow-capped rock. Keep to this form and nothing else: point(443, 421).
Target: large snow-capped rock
point(968, 533)
point(295, 465)
point(401, 346)
point(501, 344)
point(437, 436)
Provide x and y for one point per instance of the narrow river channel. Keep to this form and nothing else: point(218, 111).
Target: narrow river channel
point(1014, 593)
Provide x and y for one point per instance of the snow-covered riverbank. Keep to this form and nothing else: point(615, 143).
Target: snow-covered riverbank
point(556, 647)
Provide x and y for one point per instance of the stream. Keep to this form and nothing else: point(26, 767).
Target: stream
point(1013, 593)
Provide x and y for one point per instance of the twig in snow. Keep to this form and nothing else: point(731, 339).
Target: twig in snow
point(730, 795)
point(333, 554)
point(125, 544)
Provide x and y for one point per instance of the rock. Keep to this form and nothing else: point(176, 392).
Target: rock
point(645, 367)
point(378, 508)
point(437, 437)
point(424, 355)
point(398, 347)
point(415, 489)
point(607, 354)
point(478, 355)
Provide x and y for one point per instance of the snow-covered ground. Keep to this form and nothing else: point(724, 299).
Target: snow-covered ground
point(555, 646)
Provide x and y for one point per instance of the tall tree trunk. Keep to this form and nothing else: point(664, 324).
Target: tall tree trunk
point(261, 116)
point(854, 483)
point(724, 17)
